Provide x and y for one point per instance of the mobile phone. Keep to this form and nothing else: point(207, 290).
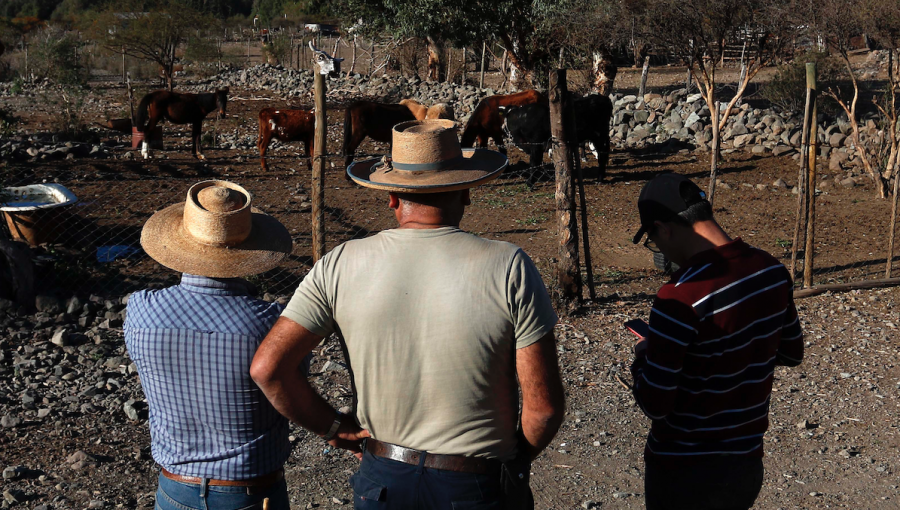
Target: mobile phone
point(638, 327)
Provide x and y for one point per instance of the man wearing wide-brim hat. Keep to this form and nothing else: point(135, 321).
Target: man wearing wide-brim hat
point(437, 324)
point(219, 442)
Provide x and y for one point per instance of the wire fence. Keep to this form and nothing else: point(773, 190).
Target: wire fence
point(93, 246)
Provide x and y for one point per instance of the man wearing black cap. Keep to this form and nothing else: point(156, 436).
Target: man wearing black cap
point(703, 374)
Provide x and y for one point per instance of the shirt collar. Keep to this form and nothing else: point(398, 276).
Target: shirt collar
point(215, 286)
point(729, 250)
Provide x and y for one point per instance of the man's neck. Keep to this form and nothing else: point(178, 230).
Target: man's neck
point(709, 235)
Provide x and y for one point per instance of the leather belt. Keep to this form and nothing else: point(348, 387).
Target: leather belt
point(260, 481)
point(457, 463)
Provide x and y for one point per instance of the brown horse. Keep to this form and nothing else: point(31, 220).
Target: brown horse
point(375, 120)
point(179, 108)
point(287, 125)
point(487, 121)
point(435, 111)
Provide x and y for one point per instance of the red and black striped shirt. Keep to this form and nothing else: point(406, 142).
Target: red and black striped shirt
point(717, 330)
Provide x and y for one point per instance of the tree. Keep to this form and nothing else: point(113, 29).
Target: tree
point(517, 24)
point(700, 31)
point(153, 34)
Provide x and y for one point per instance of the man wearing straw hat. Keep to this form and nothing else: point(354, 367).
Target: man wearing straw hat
point(437, 325)
point(218, 440)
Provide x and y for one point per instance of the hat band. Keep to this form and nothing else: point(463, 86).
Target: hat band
point(428, 167)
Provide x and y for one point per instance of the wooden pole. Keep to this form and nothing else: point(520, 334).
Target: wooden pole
point(585, 237)
point(124, 76)
point(811, 181)
point(568, 288)
point(841, 287)
point(318, 173)
point(714, 157)
point(483, 51)
point(893, 228)
point(644, 72)
point(800, 223)
point(463, 82)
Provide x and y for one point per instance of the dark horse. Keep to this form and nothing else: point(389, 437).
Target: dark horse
point(179, 108)
point(375, 120)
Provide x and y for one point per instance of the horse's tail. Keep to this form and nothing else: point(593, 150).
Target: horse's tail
point(348, 128)
point(142, 113)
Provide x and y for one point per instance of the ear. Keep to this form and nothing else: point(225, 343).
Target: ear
point(394, 201)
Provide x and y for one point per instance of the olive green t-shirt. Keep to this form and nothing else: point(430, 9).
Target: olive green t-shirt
point(431, 319)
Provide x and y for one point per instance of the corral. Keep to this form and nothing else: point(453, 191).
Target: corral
point(833, 440)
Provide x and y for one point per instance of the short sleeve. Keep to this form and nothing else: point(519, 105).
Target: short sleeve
point(529, 303)
point(312, 306)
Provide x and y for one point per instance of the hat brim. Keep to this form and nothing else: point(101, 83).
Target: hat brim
point(477, 167)
point(165, 240)
point(639, 235)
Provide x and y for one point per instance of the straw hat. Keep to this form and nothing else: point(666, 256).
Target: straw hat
point(216, 233)
point(426, 158)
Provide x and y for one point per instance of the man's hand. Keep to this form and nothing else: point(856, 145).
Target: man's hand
point(640, 348)
point(349, 436)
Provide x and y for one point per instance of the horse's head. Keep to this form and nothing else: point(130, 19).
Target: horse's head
point(221, 101)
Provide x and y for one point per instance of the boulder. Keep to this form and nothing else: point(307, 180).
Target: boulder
point(836, 139)
point(838, 160)
point(741, 140)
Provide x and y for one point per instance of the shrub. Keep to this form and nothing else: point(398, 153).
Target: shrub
point(8, 122)
point(787, 89)
point(57, 56)
point(66, 107)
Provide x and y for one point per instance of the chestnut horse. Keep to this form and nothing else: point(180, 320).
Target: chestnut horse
point(435, 111)
point(287, 125)
point(375, 120)
point(487, 120)
point(179, 108)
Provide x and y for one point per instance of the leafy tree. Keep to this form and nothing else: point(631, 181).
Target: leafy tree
point(517, 24)
point(153, 34)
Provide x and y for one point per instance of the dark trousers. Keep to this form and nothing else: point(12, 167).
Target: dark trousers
point(725, 482)
point(390, 485)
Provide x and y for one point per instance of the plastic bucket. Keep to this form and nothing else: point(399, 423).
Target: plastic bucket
point(155, 138)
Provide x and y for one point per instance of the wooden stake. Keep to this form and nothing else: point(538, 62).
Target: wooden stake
point(483, 51)
point(568, 288)
point(800, 223)
point(585, 237)
point(318, 173)
point(811, 181)
point(463, 82)
point(124, 76)
point(893, 228)
point(644, 72)
point(714, 157)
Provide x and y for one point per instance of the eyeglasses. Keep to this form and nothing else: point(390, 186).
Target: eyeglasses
point(650, 244)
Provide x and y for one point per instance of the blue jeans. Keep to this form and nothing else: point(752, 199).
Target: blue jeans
point(387, 484)
point(173, 495)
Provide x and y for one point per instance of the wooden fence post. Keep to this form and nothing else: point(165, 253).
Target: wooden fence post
point(800, 223)
point(714, 157)
point(644, 72)
point(463, 82)
point(811, 181)
point(318, 173)
point(483, 51)
point(124, 76)
point(568, 273)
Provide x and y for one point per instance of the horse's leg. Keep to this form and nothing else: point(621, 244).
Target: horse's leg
point(265, 136)
point(195, 134)
point(151, 125)
point(310, 144)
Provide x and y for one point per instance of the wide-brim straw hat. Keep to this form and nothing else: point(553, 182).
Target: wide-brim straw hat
point(426, 158)
point(216, 233)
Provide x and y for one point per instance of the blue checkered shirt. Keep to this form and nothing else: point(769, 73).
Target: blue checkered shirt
point(193, 344)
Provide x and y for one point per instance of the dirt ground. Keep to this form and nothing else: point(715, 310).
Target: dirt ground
point(843, 454)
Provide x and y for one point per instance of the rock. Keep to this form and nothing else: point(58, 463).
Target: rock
point(836, 140)
point(43, 413)
point(60, 337)
point(838, 160)
point(96, 503)
point(32, 151)
point(761, 187)
point(849, 182)
point(74, 305)
point(9, 421)
point(758, 149)
point(741, 140)
point(780, 183)
point(641, 116)
point(638, 135)
point(803, 425)
point(738, 129)
point(692, 119)
point(13, 472)
point(48, 304)
point(590, 504)
point(693, 98)
point(781, 150)
point(80, 460)
point(12, 496)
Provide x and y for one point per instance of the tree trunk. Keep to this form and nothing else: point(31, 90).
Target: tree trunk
point(714, 156)
point(604, 71)
point(437, 68)
point(170, 78)
point(644, 72)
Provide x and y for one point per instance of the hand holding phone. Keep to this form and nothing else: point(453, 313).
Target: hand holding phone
point(642, 330)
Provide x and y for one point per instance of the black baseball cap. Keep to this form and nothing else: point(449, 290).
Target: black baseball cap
point(663, 198)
